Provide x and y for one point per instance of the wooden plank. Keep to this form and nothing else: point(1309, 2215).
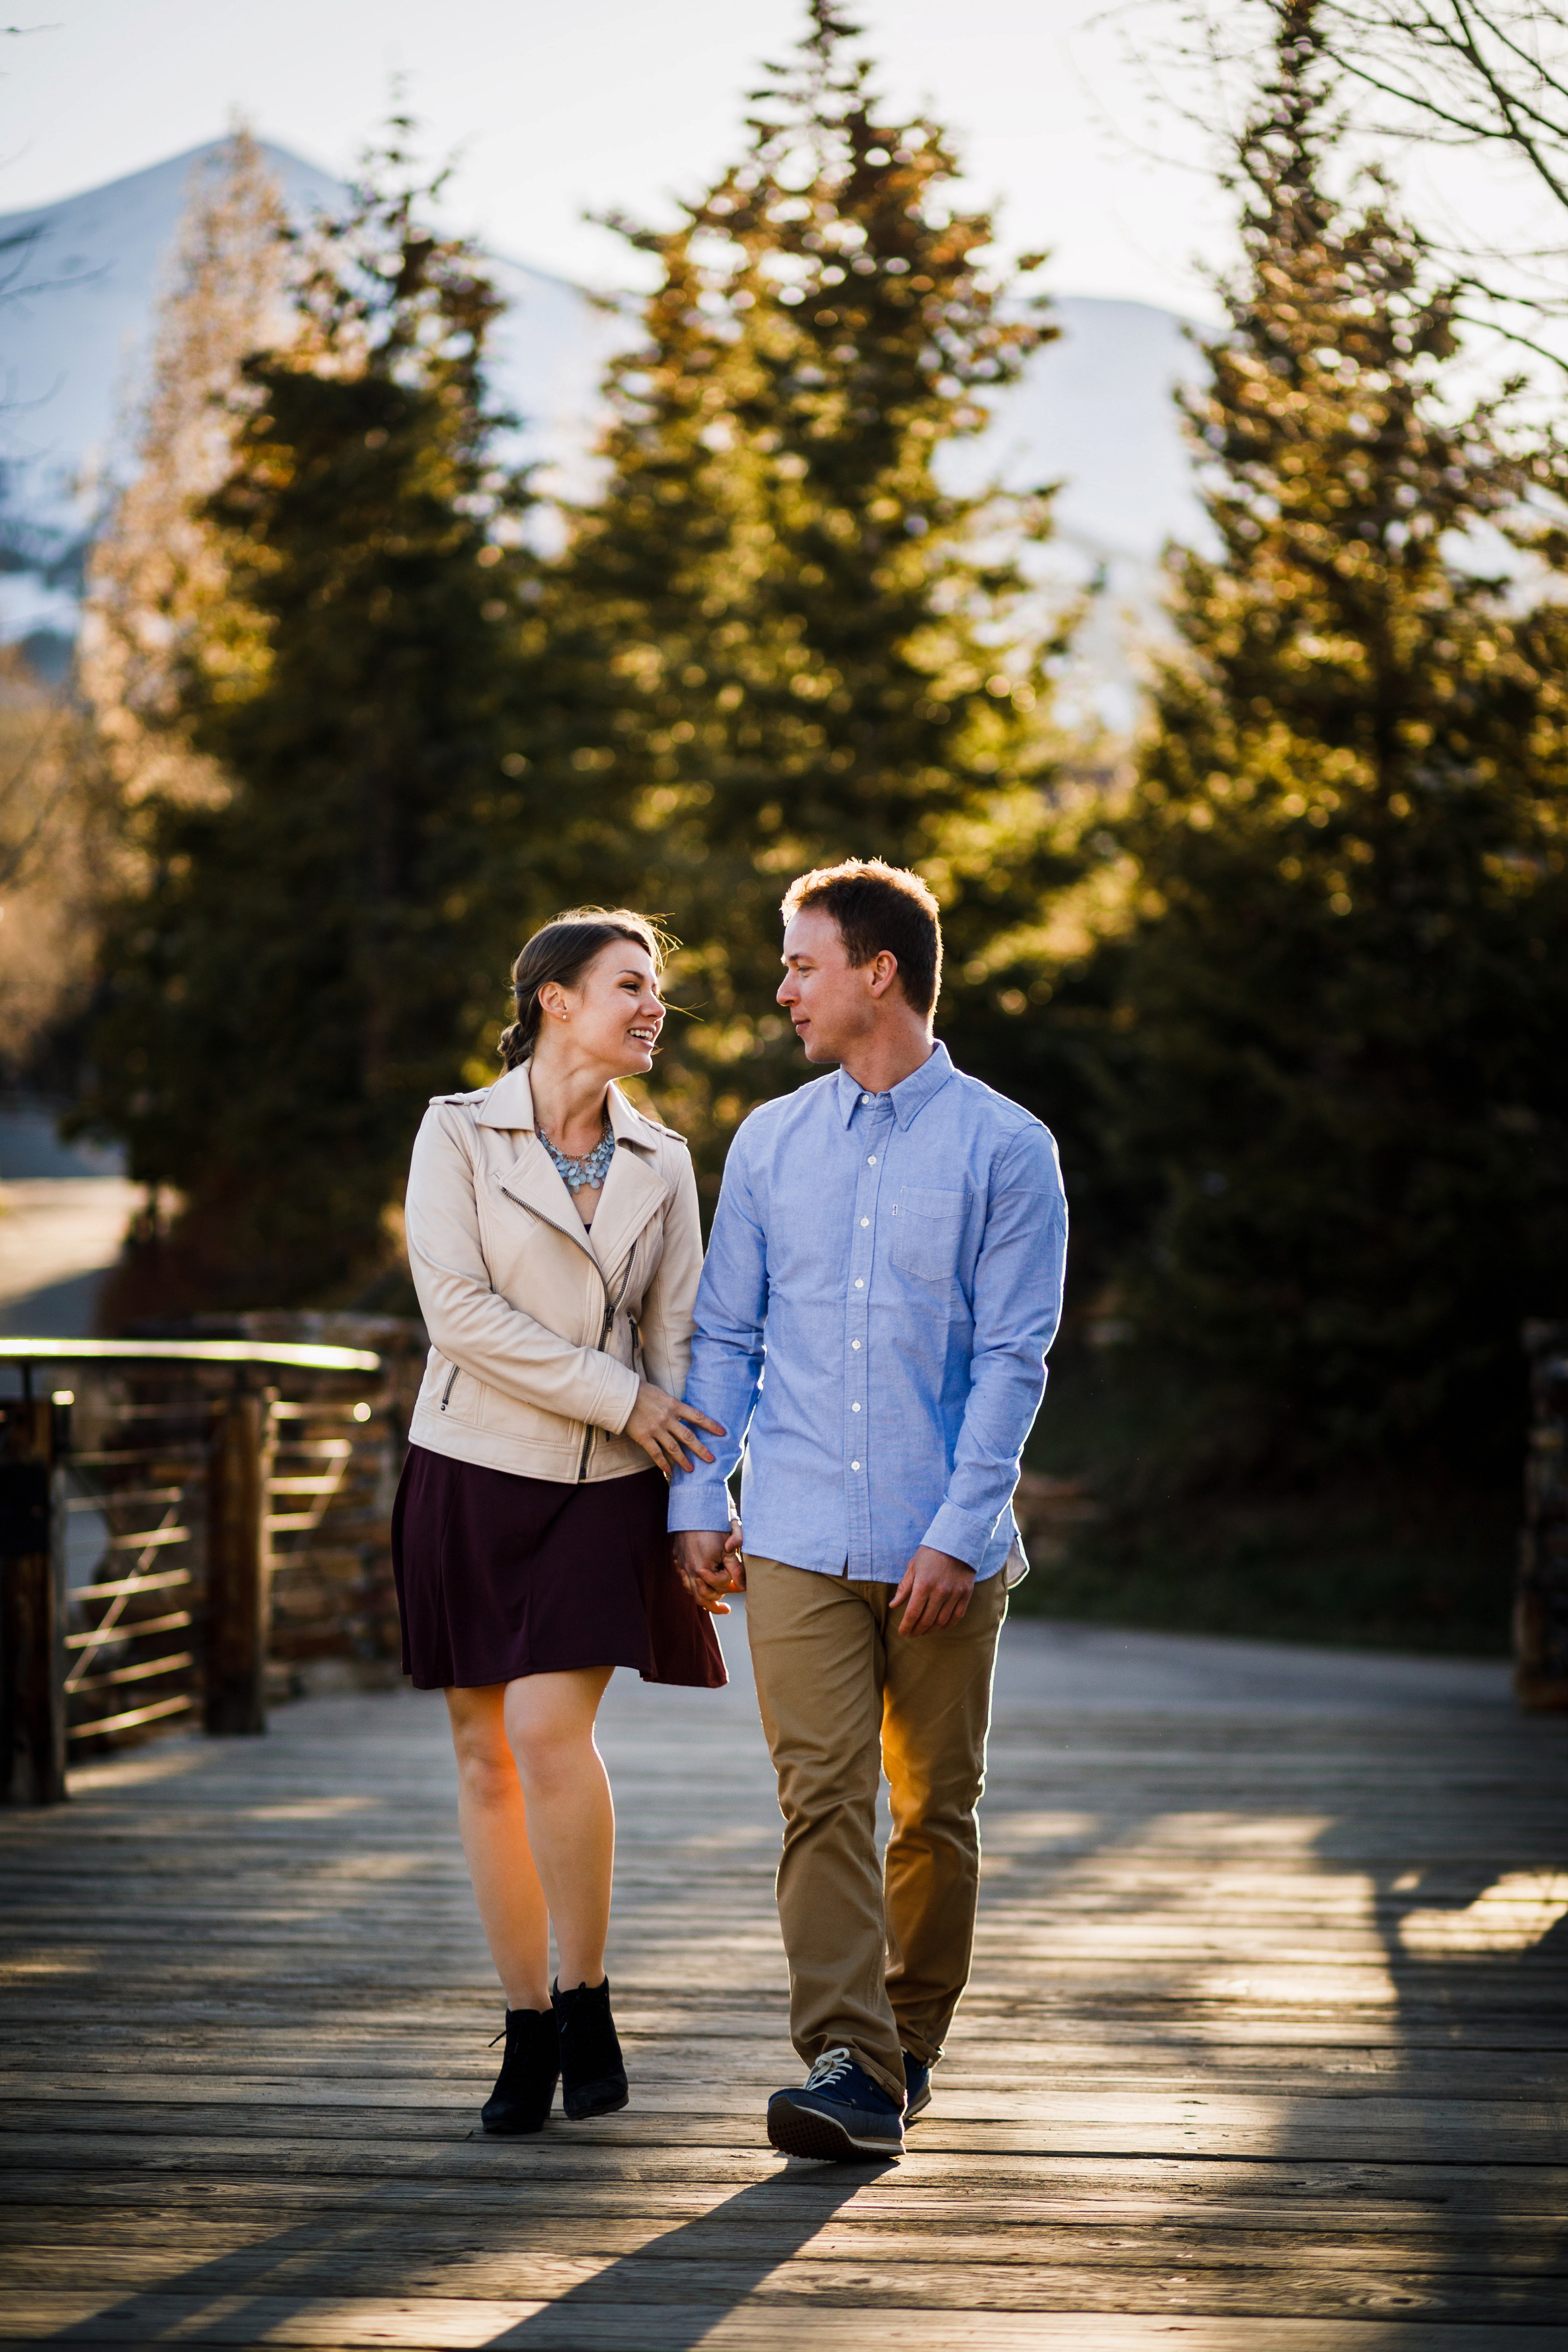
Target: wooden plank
point(1255, 2199)
point(1122, 2122)
point(412, 2324)
point(776, 2269)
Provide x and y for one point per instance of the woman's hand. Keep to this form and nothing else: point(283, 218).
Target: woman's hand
point(709, 1564)
point(662, 1426)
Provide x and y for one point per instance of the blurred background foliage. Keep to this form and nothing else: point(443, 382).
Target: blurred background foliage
point(1285, 974)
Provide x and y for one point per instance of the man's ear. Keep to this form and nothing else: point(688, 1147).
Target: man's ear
point(884, 971)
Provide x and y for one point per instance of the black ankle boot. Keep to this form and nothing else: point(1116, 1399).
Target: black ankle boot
point(592, 2078)
point(525, 2087)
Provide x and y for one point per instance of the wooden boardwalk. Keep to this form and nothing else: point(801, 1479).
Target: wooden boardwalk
point(1265, 2045)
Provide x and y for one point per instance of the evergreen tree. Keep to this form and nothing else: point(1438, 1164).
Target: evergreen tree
point(156, 571)
point(1344, 1099)
point(315, 950)
point(778, 640)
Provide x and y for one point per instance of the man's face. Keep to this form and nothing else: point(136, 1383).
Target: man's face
point(832, 1002)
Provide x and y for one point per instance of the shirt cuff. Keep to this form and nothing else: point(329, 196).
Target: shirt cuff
point(959, 1533)
point(698, 1506)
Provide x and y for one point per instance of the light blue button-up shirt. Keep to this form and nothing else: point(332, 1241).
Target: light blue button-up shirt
point(883, 1281)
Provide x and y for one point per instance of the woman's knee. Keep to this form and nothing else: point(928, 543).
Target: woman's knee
point(552, 1754)
point(487, 1775)
point(550, 1727)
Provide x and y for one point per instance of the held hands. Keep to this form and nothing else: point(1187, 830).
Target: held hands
point(935, 1591)
point(663, 1427)
point(710, 1564)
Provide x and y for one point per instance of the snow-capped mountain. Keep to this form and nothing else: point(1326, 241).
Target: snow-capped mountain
point(80, 282)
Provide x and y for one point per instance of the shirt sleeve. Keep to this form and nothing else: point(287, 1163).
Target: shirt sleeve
point(727, 1348)
point(1018, 1280)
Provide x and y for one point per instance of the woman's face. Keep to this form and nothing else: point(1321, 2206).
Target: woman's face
point(614, 1013)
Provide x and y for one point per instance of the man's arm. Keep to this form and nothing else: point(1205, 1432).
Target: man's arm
point(727, 1352)
point(1018, 1282)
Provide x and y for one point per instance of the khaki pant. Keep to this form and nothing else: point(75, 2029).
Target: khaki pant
point(878, 1959)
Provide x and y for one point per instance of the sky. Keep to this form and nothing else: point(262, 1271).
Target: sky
point(555, 107)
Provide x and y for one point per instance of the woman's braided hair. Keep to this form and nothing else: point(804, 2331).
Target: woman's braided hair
point(563, 950)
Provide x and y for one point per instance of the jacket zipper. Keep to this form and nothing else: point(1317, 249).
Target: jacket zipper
point(588, 1427)
point(448, 1389)
point(610, 1307)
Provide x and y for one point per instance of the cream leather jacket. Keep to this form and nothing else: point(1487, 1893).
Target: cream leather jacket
point(540, 1330)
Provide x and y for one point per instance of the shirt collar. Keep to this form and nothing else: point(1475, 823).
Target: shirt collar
point(909, 1096)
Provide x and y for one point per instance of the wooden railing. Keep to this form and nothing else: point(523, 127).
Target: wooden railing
point(1541, 1602)
point(144, 1512)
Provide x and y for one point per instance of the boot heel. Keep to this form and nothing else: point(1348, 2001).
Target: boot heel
point(530, 2068)
point(593, 2074)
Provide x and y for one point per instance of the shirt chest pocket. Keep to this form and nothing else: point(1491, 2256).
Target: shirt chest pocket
point(927, 1232)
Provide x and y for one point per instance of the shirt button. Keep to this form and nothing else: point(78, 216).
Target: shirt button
point(872, 1162)
point(864, 1099)
point(854, 1408)
point(865, 1221)
point(858, 1284)
point(855, 1344)
point(854, 1465)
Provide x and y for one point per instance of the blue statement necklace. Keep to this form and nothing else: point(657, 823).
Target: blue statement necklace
point(591, 1170)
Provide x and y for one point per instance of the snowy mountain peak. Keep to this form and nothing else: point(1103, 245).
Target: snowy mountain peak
point(1093, 411)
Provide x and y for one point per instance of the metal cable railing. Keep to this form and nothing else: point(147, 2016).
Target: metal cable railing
point(137, 1610)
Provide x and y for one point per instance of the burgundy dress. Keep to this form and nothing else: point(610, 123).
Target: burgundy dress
point(501, 1576)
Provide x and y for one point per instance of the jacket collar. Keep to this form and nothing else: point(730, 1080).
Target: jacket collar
point(909, 1096)
point(634, 1190)
point(509, 1105)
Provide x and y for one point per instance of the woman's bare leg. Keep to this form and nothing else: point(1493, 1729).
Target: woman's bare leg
point(538, 1826)
point(571, 1816)
point(493, 1821)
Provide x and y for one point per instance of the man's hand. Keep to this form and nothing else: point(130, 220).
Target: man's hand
point(934, 1593)
point(710, 1564)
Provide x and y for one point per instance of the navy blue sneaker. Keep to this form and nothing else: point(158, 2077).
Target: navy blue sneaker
point(837, 2114)
point(917, 2087)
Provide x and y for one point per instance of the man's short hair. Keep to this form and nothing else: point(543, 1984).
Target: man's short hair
point(878, 906)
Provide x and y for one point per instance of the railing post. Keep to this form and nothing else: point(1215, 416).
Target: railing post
point(32, 1610)
point(1540, 1592)
point(237, 1597)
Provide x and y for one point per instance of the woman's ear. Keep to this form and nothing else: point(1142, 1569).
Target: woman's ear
point(552, 1001)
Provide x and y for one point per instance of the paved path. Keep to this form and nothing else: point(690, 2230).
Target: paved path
point(1266, 2046)
point(58, 1234)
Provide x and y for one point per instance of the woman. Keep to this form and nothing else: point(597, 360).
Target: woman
point(553, 1237)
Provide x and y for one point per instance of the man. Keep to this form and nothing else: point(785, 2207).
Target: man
point(889, 1244)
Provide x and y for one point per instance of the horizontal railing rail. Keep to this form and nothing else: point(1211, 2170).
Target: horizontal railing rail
point(30, 1353)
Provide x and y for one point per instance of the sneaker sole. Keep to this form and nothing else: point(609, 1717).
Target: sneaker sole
point(806, 2131)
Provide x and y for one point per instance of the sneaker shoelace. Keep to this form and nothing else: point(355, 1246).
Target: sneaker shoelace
point(830, 2068)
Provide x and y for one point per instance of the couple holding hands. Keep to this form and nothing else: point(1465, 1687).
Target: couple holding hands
point(889, 1249)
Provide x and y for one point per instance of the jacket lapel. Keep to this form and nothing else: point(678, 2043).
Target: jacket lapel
point(633, 1193)
point(532, 1178)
